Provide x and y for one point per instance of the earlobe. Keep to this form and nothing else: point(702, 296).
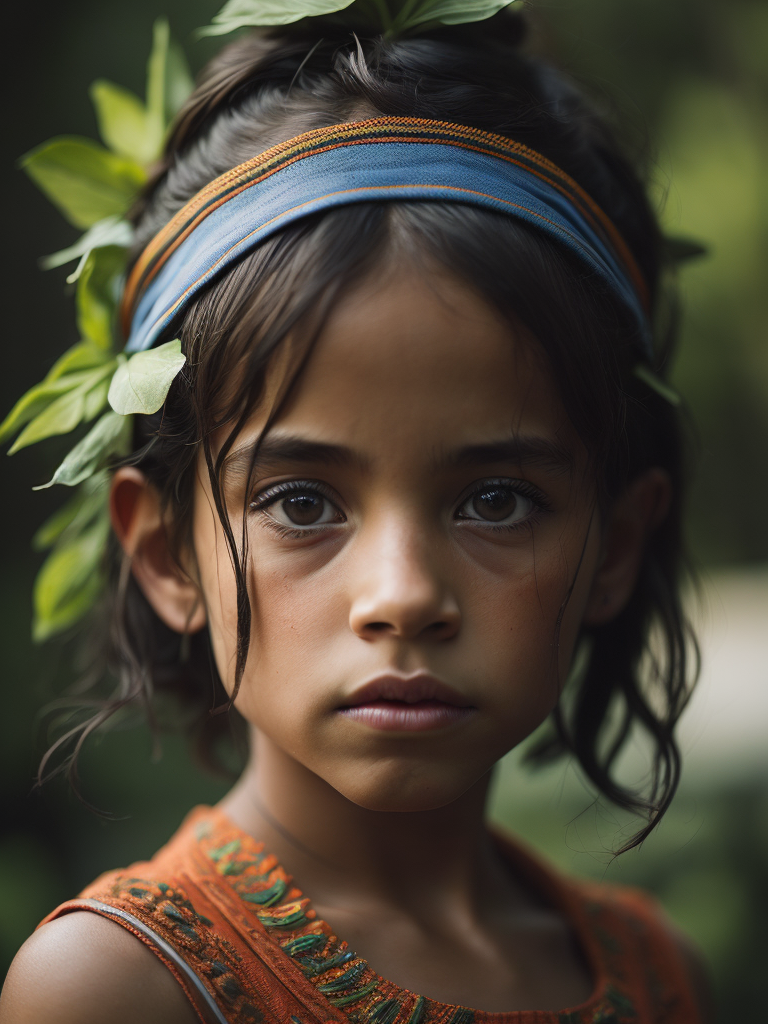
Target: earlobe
point(633, 516)
point(138, 522)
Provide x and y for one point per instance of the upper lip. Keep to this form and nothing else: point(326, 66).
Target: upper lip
point(410, 689)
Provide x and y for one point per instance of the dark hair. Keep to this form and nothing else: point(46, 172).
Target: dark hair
point(264, 89)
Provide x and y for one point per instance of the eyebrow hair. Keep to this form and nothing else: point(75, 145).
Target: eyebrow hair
point(276, 449)
point(539, 451)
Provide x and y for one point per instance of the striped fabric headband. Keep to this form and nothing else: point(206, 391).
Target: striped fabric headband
point(387, 158)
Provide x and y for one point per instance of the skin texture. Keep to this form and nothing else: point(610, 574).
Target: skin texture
point(84, 969)
point(407, 569)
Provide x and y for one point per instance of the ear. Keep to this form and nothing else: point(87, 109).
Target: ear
point(632, 517)
point(134, 506)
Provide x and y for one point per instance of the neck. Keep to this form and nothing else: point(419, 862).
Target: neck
point(341, 853)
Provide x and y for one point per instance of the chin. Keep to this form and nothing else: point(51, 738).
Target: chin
point(404, 791)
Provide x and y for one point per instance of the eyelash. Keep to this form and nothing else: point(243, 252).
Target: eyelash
point(266, 499)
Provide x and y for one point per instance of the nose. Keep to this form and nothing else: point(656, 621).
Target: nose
point(398, 589)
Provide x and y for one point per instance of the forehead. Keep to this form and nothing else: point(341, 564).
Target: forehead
point(415, 364)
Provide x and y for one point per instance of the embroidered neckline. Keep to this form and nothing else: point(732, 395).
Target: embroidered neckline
point(345, 979)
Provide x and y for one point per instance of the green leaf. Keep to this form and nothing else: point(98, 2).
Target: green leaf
point(156, 72)
point(141, 383)
point(97, 293)
point(242, 13)
point(178, 80)
point(65, 412)
point(83, 356)
point(89, 501)
point(646, 374)
point(680, 250)
point(55, 526)
point(84, 180)
point(64, 611)
point(110, 231)
point(83, 367)
point(38, 398)
point(69, 581)
point(450, 12)
point(59, 417)
point(96, 400)
point(123, 122)
point(101, 441)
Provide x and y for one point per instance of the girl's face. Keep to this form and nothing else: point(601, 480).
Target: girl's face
point(418, 517)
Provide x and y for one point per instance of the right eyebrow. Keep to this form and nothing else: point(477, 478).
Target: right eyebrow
point(521, 450)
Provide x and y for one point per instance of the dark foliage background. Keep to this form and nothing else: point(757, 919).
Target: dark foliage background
point(690, 79)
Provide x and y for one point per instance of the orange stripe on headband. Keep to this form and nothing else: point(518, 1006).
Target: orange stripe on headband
point(380, 159)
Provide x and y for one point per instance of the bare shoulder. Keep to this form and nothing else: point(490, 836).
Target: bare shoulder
point(698, 972)
point(85, 969)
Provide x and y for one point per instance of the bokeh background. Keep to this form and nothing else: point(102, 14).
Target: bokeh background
point(689, 79)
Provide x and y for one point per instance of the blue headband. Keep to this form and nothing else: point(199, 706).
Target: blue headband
point(383, 159)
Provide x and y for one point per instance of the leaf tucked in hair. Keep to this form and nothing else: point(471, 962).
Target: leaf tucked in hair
point(178, 80)
point(448, 12)
point(34, 401)
point(96, 296)
point(84, 356)
point(82, 399)
point(88, 503)
point(110, 231)
point(69, 580)
point(680, 250)
point(85, 181)
point(390, 17)
point(253, 13)
point(123, 122)
point(141, 383)
point(94, 188)
point(108, 436)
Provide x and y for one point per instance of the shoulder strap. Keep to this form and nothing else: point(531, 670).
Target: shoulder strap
point(209, 967)
point(222, 957)
point(194, 989)
point(639, 952)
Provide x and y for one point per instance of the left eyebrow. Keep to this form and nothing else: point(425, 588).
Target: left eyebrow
point(275, 450)
point(521, 450)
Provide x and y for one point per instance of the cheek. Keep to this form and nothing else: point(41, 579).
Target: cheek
point(299, 629)
point(296, 615)
point(526, 621)
point(532, 600)
point(515, 632)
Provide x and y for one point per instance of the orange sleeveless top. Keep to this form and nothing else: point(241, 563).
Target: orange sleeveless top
point(246, 946)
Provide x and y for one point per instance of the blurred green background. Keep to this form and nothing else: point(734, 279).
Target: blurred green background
point(690, 80)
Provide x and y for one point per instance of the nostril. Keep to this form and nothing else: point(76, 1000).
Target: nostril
point(434, 629)
point(444, 630)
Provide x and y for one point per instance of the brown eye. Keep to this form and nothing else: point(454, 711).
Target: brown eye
point(497, 504)
point(303, 509)
point(297, 508)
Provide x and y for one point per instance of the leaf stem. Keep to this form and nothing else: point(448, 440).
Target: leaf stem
point(384, 13)
point(401, 21)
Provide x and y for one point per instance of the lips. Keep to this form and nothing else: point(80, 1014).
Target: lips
point(416, 703)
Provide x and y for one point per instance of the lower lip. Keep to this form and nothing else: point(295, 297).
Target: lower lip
point(397, 716)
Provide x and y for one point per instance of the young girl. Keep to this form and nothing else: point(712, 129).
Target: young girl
point(417, 471)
